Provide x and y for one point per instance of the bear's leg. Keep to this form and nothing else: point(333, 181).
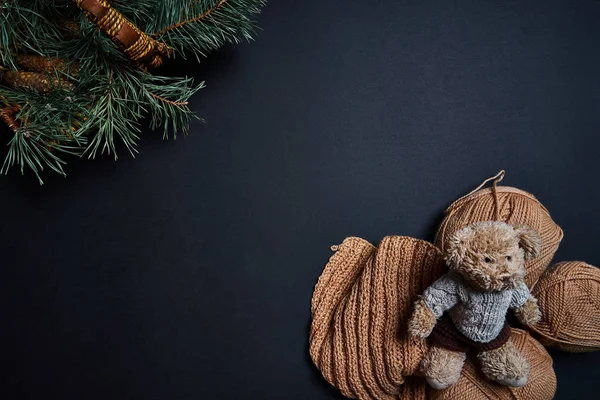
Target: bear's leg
point(505, 365)
point(442, 367)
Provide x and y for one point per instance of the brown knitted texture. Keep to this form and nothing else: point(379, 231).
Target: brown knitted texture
point(413, 388)
point(472, 385)
point(569, 297)
point(138, 46)
point(360, 311)
point(514, 206)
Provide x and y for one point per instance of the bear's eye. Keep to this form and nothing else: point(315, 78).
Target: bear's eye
point(508, 258)
point(487, 260)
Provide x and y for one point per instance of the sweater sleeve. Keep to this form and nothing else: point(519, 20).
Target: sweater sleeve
point(520, 295)
point(442, 295)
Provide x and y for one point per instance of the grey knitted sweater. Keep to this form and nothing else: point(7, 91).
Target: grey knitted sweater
point(478, 315)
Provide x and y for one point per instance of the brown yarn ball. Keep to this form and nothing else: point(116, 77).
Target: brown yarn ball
point(569, 297)
point(514, 207)
point(472, 385)
point(360, 310)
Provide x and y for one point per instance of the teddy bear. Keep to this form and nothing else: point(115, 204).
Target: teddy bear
point(465, 310)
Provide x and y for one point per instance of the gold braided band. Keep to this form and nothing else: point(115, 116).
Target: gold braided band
point(138, 46)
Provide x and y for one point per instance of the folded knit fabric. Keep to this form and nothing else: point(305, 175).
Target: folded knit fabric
point(413, 388)
point(510, 205)
point(472, 385)
point(569, 298)
point(360, 309)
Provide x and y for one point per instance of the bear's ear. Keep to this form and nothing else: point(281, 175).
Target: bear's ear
point(456, 247)
point(529, 240)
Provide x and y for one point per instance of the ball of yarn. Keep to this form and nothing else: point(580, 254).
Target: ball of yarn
point(472, 385)
point(514, 207)
point(360, 310)
point(569, 297)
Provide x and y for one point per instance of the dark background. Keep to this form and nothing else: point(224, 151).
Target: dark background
point(187, 273)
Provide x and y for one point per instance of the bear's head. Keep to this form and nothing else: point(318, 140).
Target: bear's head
point(491, 255)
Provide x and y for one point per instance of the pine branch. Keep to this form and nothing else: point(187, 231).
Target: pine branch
point(29, 149)
point(40, 135)
point(167, 100)
point(25, 25)
point(114, 113)
point(206, 25)
point(190, 21)
point(67, 89)
point(170, 102)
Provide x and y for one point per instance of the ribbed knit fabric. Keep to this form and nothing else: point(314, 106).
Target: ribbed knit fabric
point(479, 315)
point(331, 291)
point(360, 310)
point(569, 298)
point(472, 385)
point(514, 207)
point(413, 388)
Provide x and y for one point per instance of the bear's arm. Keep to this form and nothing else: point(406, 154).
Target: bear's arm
point(442, 295)
point(525, 305)
point(519, 296)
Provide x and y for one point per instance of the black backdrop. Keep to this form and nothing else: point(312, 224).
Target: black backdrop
point(187, 273)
